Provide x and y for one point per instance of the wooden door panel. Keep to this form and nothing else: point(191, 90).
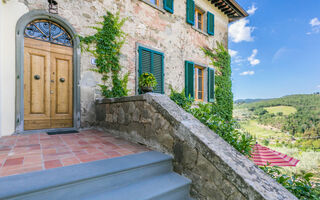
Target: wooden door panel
point(48, 85)
point(37, 44)
point(37, 84)
point(36, 88)
point(62, 86)
point(61, 49)
point(62, 97)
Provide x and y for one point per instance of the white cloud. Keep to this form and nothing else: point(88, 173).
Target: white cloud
point(235, 57)
point(233, 53)
point(240, 31)
point(315, 25)
point(318, 86)
point(252, 59)
point(315, 22)
point(252, 10)
point(247, 73)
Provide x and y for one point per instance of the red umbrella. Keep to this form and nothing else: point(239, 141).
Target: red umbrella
point(262, 155)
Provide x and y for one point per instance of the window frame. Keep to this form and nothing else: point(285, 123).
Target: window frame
point(196, 80)
point(196, 19)
point(152, 51)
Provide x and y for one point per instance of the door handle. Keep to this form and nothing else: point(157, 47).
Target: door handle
point(62, 80)
point(37, 77)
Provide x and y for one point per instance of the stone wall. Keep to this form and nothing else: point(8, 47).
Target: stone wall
point(216, 169)
point(154, 28)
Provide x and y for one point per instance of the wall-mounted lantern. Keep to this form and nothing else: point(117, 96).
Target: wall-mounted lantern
point(53, 6)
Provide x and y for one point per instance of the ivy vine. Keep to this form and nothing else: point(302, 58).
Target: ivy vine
point(221, 60)
point(105, 46)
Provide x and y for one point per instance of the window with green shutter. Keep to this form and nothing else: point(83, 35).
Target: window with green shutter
point(189, 79)
point(168, 5)
point(210, 23)
point(190, 12)
point(210, 85)
point(152, 61)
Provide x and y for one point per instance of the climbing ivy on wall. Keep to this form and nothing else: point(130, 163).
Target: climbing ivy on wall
point(223, 85)
point(105, 46)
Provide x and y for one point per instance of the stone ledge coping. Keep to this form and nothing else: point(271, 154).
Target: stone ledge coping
point(248, 178)
point(142, 97)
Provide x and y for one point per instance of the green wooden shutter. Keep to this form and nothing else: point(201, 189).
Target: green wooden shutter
point(152, 62)
point(189, 79)
point(210, 23)
point(144, 61)
point(168, 5)
point(190, 11)
point(210, 85)
point(157, 71)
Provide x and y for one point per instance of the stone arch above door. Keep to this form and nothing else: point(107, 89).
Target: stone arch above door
point(20, 31)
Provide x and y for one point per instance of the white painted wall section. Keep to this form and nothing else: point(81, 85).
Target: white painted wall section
point(10, 12)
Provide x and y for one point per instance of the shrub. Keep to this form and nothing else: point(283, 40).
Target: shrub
point(209, 115)
point(181, 99)
point(298, 184)
point(147, 80)
point(265, 142)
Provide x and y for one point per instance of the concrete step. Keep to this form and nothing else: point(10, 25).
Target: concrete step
point(149, 171)
point(168, 186)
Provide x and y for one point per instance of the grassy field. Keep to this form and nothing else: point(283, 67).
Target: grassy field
point(286, 110)
point(262, 132)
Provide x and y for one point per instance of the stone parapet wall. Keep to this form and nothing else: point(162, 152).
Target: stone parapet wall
point(216, 169)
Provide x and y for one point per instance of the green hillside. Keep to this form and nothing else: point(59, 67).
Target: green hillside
point(298, 115)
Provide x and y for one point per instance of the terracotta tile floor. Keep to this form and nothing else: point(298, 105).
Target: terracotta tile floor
point(32, 152)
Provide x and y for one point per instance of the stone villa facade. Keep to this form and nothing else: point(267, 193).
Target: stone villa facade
point(46, 84)
point(169, 32)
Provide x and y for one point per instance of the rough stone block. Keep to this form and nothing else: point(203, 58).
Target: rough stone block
point(121, 115)
point(109, 118)
point(100, 113)
point(166, 140)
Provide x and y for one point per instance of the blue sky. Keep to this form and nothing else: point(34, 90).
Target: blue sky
point(276, 50)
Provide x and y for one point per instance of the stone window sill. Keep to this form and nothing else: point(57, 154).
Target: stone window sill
point(200, 31)
point(154, 6)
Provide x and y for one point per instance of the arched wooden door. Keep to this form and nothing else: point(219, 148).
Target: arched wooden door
point(48, 76)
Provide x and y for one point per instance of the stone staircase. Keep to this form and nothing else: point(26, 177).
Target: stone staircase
point(140, 176)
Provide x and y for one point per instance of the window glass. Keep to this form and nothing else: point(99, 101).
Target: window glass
point(199, 83)
point(48, 31)
point(155, 2)
point(199, 19)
